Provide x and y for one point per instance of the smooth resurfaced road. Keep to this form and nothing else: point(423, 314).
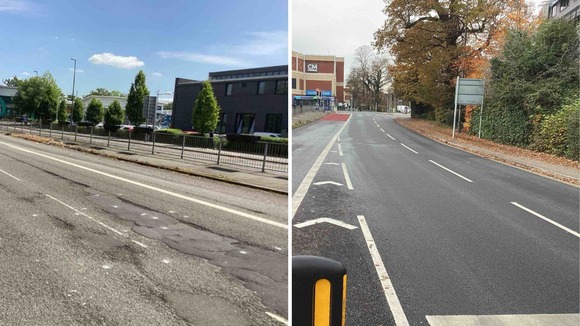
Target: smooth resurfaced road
point(442, 237)
point(90, 240)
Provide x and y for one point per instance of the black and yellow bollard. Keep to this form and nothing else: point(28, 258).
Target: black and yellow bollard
point(318, 291)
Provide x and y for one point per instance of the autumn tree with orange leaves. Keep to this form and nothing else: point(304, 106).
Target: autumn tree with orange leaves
point(434, 41)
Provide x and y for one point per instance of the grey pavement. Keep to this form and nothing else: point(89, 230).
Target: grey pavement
point(240, 175)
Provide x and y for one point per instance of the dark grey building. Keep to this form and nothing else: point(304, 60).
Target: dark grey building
point(251, 100)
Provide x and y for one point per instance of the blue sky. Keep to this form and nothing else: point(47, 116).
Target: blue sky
point(112, 40)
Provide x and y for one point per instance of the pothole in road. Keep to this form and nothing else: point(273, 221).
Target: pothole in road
point(208, 310)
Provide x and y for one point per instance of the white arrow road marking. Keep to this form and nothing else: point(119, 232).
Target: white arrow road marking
point(389, 290)
point(325, 220)
point(327, 183)
point(538, 320)
point(339, 150)
point(331, 163)
point(546, 219)
point(307, 181)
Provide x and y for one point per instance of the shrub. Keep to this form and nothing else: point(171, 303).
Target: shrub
point(558, 133)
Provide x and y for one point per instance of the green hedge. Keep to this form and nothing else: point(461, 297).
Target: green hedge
point(559, 133)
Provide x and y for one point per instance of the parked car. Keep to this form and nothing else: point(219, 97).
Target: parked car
point(267, 134)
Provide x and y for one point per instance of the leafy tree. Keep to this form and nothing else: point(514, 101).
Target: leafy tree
point(14, 81)
point(117, 93)
point(533, 78)
point(101, 92)
point(78, 110)
point(95, 112)
point(38, 96)
point(134, 105)
point(368, 76)
point(206, 110)
point(114, 115)
point(61, 113)
point(168, 106)
point(433, 42)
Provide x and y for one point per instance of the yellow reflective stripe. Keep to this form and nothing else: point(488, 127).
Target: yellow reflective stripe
point(344, 300)
point(322, 303)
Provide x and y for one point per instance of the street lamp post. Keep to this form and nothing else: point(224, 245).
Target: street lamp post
point(73, 91)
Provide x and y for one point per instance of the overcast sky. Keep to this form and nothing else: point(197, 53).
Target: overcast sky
point(338, 27)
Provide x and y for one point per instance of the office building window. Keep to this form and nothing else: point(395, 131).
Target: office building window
point(222, 123)
point(293, 83)
point(273, 123)
point(281, 87)
point(229, 88)
point(245, 123)
point(261, 87)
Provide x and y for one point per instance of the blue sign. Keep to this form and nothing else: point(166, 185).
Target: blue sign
point(326, 93)
point(310, 92)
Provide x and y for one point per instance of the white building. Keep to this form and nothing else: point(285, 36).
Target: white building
point(106, 100)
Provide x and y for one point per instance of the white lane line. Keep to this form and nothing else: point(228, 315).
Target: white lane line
point(10, 175)
point(92, 219)
point(382, 129)
point(277, 318)
point(457, 174)
point(139, 243)
point(389, 290)
point(346, 177)
point(340, 150)
point(298, 196)
point(180, 196)
point(331, 163)
point(338, 138)
point(537, 320)
point(409, 148)
point(546, 219)
point(391, 137)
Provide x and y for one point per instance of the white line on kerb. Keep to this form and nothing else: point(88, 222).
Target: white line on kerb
point(409, 148)
point(340, 150)
point(444, 168)
point(389, 290)
point(391, 137)
point(92, 219)
point(346, 177)
point(10, 175)
point(307, 181)
point(167, 192)
point(546, 219)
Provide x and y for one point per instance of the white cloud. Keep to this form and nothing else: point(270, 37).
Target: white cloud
point(265, 43)
point(202, 58)
point(116, 60)
point(14, 6)
point(157, 74)
point(25, 73)
point(78, 70)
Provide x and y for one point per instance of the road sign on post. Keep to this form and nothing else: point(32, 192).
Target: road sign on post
point(468, 91)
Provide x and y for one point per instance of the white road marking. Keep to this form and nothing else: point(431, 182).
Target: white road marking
point(339, 150)
point(155, 217)
point(346, 177)
point(10, 175)
point(391, 137)
point(331, 163)
point(338, 138)
point(537, 320)
point(300, 193)
point(92, 219)
point(164, 228)
point(243, 252)
point(325, 220)
point(141, 244)
point(327, 183)
point(106, 266)
point(166, 261)
point(389, 290)
point(277, 318)
point(382, 130)
point(409, 148)
point(546, 219)
point(444, 168)
point(167, 192)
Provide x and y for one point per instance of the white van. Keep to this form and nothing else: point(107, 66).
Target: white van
point(403, 109)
